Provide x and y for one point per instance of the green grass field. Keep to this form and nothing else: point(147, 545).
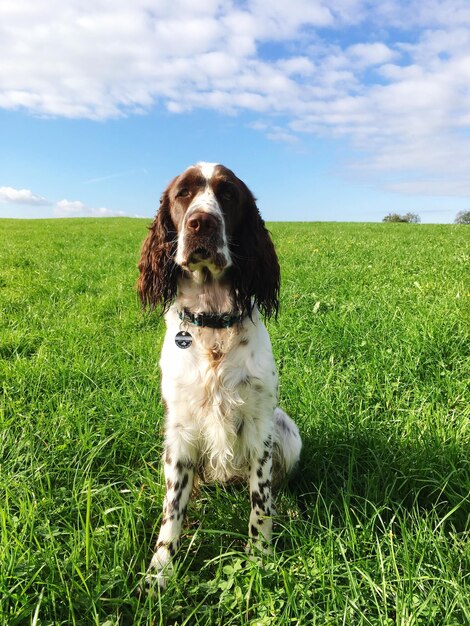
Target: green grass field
point(373, 347)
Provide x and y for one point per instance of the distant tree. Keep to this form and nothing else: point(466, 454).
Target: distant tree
point(462, 217)
point(410, 218)
point(392, 217)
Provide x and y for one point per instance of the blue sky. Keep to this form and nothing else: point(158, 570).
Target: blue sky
point(328, 109)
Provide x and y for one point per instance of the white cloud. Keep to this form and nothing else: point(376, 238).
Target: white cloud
point(403, 102)
point(63, 208)
point(370, 53)
point(75, 208)
point(22, 196)
point(277, 133)
point(95, 60)
point(279, 19)
point(300, 65)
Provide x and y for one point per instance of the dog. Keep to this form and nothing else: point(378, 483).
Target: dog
point(209, 263)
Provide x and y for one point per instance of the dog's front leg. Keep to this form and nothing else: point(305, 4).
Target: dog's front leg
point(179, 475)
point(260, 526)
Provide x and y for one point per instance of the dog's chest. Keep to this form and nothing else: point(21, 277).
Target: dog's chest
point(218, 380)
point(231, 410)
point(221, 391)
point(221, 376)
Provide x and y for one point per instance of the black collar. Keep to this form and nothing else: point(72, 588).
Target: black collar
point(211, 320)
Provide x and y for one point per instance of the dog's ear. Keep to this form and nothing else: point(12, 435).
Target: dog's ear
point(256, 269)
point(158, 272)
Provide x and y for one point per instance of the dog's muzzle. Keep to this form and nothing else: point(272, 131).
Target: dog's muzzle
point(203, 242)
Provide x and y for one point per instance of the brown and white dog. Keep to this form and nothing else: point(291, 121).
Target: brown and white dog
point(209, 262)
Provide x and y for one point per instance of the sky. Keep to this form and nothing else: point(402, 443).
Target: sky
point(329, 110)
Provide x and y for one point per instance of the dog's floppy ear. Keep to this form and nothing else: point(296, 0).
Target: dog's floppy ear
point(158, 271)
point(256, 269)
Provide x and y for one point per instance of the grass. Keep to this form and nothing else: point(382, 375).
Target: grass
point(373, 351)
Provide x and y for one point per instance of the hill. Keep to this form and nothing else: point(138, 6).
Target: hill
point(372, 345)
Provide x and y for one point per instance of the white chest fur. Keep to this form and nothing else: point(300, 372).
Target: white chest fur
point(220, 393)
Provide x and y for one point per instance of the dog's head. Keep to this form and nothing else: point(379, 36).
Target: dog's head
point(208, 226)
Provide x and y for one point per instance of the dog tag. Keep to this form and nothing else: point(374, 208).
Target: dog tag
point(183, 339)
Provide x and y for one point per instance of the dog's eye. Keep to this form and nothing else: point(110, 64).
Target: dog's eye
point(228, 192)
point(183, 193)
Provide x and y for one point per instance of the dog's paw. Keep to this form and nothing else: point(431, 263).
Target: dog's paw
point(156, 578)
point(152, 584)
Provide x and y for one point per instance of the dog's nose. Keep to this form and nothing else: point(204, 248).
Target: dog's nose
point(202, 223)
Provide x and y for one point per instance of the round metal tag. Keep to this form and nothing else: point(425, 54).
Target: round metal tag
point(183, 339)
